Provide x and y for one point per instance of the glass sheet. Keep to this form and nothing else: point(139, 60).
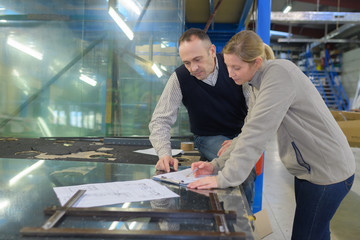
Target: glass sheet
point(27, 189)
point(69, 70)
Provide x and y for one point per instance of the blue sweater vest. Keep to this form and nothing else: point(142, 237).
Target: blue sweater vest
point(213, 110)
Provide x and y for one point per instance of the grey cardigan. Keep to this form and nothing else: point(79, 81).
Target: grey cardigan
point(311, 144)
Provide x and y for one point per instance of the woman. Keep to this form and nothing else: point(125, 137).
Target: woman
point(312, 146)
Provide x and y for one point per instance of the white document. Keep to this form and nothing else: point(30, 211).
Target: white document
point(182, 177)
point(151, 151)
point(102, 194)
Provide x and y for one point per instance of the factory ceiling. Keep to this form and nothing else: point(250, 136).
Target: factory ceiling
point(308, 22)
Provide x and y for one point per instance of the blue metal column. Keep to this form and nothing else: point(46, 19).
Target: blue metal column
point(263, 30)
point(263, 20)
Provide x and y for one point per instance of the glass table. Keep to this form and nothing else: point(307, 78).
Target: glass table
point(27, 191)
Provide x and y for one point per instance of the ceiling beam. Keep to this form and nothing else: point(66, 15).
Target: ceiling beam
point(315, 17)
point(312, 40)
point(334, 34)
point(212, 16)
point(351, 4)
point(296, 30)
point(329, 38)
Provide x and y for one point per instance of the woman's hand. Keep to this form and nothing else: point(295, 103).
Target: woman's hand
point(203, 168)
point(204, 183)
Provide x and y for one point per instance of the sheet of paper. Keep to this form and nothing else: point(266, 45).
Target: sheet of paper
point(102, 194)
point(151, 151)
point(182, 177)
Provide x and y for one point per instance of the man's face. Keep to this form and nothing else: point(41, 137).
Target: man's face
point(198, 57)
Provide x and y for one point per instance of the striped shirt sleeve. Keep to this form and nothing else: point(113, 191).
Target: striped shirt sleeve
point(164, 117)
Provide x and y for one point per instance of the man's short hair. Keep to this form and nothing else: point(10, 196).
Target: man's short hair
point(188, 34)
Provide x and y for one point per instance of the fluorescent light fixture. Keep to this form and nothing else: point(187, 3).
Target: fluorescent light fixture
point(126, 205)
point(287, 8)
point(24, 49)
point(25, 172)
point(16, 73)
point(121, 23)
point(164, 44)
point(88, 80)
point(43, 127)
point(132, 225)
point(21, 81)
point(4, 204)
point(131, 4)
point(156, 70)
point(52, 112)
point(163, 67)
point(279, 33)
point(113, 225)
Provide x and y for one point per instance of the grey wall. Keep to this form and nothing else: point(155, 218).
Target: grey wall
point(350, 76)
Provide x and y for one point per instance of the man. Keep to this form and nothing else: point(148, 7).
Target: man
point(215, 104)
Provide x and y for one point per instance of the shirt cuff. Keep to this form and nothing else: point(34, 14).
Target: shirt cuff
point(163, 153)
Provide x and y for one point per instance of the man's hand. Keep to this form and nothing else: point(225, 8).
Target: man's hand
point(204, 183)
point(225, 146)
point(165, 162)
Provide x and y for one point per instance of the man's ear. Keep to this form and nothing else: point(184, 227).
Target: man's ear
point(212, 50)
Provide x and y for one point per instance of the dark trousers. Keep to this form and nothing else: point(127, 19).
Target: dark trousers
point(315, 207)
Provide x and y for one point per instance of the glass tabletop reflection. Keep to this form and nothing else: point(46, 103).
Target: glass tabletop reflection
point(26, 190)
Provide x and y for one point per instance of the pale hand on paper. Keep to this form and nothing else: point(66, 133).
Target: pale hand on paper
point(204, 168)
point(182, 177)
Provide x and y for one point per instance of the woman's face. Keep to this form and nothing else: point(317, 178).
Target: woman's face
point(239, 70)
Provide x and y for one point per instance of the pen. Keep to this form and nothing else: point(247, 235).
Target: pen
point(192, 172)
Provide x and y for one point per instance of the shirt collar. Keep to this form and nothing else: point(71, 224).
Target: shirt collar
point(211, 79)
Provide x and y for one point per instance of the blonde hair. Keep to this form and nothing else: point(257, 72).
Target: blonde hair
point(248, 46)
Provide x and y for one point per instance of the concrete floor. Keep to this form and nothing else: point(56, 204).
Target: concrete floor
point(278, 200)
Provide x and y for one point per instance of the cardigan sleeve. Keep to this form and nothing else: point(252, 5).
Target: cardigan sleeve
point(273, 98)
